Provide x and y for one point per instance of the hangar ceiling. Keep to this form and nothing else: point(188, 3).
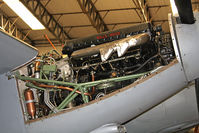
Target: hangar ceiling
point(70, 19)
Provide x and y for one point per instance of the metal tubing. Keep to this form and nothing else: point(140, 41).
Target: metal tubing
point(28, 84)
point(60, 87)
point(24, 78)
point(94, 83)
point(88, 84)
point(118, 79)
point(68, 101)
point(48, 102)
point(85, 98)
point(63, 104)
point(83, 86)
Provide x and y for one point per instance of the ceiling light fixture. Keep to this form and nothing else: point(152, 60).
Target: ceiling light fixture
point(174, 8)
point(24, 14)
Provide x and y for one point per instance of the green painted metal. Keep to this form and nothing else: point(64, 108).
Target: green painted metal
point(118, 79)
point(67, 99)
point(87, 84)
point(85, 98)
point(49, 68)
point(83, 87)
point(25, 78)
point(33, 86)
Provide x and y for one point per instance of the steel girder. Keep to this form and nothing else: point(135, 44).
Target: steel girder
point(90, 10)
point(10, 27)
point(42, 14)
point(144, 10)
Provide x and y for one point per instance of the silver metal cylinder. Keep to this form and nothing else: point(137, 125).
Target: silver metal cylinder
point(37, 75)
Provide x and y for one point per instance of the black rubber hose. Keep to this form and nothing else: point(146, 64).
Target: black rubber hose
point(185, 11)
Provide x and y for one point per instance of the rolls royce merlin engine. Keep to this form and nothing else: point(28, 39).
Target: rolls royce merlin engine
point(95, 66)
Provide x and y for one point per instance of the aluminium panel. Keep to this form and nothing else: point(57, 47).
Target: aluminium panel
point(119, 107)
point(187, 36)
point(176, 112)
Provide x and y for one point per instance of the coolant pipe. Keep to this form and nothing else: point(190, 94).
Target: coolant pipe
point(60, 87)
point(62, 105)
point(28, 84)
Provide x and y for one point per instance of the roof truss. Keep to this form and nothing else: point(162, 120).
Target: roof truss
point(42, 14)
point(10, 27)
point(90, 10)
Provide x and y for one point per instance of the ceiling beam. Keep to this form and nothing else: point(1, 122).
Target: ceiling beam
point(106, 10)
point(95, 18)
point(117, 23)
point(43, 15)
point(11, 28)
point(142, 5)
point(55, 41)
point(137, 9)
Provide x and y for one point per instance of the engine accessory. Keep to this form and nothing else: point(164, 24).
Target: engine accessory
point(101, 94)
point(29, 98)
point(37, 69)
point(48, 102)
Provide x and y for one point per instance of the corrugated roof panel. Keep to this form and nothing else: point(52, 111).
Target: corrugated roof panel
point(158, 2)
point(165, 27)
point(39, 34)
point(160, 13)
point(113, 4)
point(74, 19)
point(123, 26)
point(121, 16)
point(60, 6)
point(82, 32)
